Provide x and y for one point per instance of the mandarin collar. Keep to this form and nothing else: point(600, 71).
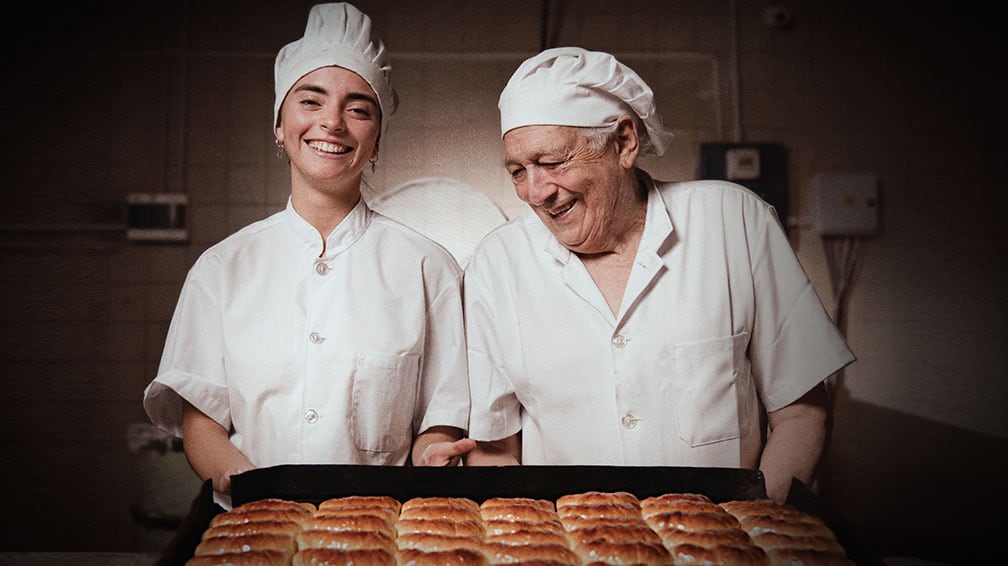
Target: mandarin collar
point(348, 231)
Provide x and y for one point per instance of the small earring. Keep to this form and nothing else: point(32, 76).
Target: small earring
point(280, 153)
point(373, 161)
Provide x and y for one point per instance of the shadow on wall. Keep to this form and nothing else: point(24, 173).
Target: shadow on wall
point(917, 488)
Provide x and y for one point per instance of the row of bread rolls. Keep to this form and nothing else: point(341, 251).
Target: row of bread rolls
point(577, 529)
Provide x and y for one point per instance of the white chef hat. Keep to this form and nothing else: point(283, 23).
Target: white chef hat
point(337, 34)
point(570, 86)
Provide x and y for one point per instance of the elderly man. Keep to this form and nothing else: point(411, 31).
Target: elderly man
point(626, 321)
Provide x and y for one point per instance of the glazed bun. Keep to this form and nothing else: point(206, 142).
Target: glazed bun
point(246, 543)
point(287, 528)
point(346, 540)
point(334, 557)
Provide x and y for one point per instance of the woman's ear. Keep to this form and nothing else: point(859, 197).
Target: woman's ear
point(278, 132)
point(627, 141)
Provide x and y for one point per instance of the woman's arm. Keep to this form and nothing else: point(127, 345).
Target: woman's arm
point(796, 442)
point(209, 450)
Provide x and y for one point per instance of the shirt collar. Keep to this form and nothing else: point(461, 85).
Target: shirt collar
point(348, 231)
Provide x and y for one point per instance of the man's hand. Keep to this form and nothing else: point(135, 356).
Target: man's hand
point(440, 446)
point(445, 453)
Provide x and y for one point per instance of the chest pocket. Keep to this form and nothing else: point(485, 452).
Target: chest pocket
point(713, 391)
point(384, 396)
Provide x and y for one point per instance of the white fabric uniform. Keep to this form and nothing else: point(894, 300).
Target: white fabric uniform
point(338, 360)
point(718, 324)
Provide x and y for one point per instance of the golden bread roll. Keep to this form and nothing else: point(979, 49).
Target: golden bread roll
point(774, 541)
point(382, 501)
point(598, 498)
point(692, 521)
point(529, 537)
point(499, 553)
point(454, 557)
point(464, 502)
point(496, 526)
point(577, 523)
point(334, 557)
point(759, 524)
point(440, 527)
point(724, 554)
point(623, 533)
point(445, 512)
point(258, 515)
point(544, 504)
point(275, 503)
point(517, 512)
point(599, 510)
point(684, 506)
point(673, 498)
point(346, 540)
point(428, 542)
point(245, 543)
point(800, 557)
point(746, 507)
point(731, 537)
point(250, 558)
point(608, 552)
point(288, 528)
point(323, 522)
point(364, 510)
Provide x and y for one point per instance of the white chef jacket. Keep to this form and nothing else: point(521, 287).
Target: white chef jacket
point(338, 359)
point(719, 324)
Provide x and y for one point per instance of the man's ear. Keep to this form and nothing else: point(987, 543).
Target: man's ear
point(627, 141)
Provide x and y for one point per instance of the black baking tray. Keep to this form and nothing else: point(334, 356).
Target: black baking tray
point(316, 483)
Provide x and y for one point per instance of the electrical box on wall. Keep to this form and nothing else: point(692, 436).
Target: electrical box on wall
point(845, 204)
point(760, 167)
point(156, 217)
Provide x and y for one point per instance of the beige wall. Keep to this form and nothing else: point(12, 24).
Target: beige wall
point(170, 97)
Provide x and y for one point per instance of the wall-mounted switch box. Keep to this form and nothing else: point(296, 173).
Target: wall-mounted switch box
point(760, 167)
point(742, 164)
point(156, 217)
point(845, 204)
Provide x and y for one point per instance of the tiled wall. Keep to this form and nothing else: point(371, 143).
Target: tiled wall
point(177, 97)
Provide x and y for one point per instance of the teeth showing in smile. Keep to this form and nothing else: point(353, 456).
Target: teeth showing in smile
point(328, 147)
point(555, 213)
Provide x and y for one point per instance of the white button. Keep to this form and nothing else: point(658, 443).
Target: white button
point(629, 421)
point(316, 338)
point(311, 416)
point(322, 268)
point(619, 341)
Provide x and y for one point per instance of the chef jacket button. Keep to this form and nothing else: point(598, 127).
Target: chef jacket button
point(629, 421)
point(311, 416)
point(316, 338)
point(322, 268)
point(619, 341)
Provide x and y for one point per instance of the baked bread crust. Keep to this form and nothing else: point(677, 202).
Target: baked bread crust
point(721, 554)
point(692, 521)
point(500, 553)
point(233, 517)
point(382, 501)
point(289, 528)
point(250, 558)
point(454, 557)
point(466, 528)
point(246, 543)
point(323, 522)
point(276, 503)
point(622, 552)
point(346, 540)
point(334, 557)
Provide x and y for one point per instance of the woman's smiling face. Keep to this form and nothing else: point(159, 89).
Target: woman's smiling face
point(329, 126)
